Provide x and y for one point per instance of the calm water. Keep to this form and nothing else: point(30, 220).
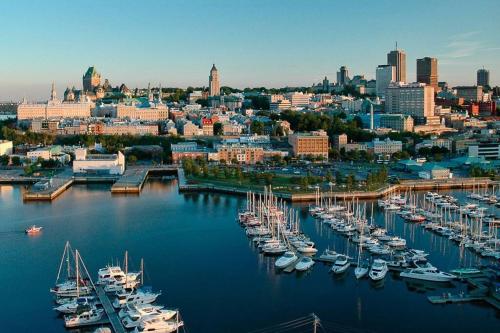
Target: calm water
point(200, 258)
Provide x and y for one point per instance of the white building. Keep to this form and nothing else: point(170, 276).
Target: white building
point(5, 147)
point(298, 99)
point(113, 164)
point(415, 99)
point(385, 75)
point(386, 146)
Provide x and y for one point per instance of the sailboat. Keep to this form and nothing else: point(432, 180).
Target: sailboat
point(74, 286)
point(361, 269)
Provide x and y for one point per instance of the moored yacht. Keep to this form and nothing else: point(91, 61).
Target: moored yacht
point(304, 264)
point(136, 319)
point(427, 274)
point(285, 260)
point(141, 296)
point(341, 264)
point(90, 316)
point(158, 325)
point(378, 270)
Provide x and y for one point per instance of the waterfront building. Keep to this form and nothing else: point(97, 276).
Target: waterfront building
point(309, 144)
point(415, 99)
point(213, 82)
point(427, 72)
point(397, 58)
point(483, 77)
point(385, 75)
point(113, 164)
point(434, 171)
point(183, 150)
point(54, 108)
point(343, 76)
point(239, 153)
point(48, 153)
point(470, 93)
point(6, 147)
point(397, 122)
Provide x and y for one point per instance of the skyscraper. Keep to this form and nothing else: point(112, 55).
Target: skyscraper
point(385, 74)
point(483, 77)
point(213, 82)
point(427, 72)
point(326, 85)
point(343, 76)
point(397, 58)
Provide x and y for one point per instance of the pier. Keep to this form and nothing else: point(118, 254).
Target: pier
point(133, 178)
point(50, 188)
point(110, 311)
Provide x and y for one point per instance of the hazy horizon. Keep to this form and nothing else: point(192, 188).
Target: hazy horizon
point(253, 43)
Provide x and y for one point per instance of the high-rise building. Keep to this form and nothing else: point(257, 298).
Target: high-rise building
point(91, 79)
point(483, 77)
point(397, 58)
point(343, 76)
point(470, 93)
point(415, 99)
point(213, 82)
point(385, 74)
point(427, 72)
point(326, 85)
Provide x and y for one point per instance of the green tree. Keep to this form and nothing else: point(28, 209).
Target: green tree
point(257, 127)
point(4, 159)
point(132, 159)
point(218, 128)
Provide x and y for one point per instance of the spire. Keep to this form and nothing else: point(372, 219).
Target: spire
point(159, 94)
point(150, 95)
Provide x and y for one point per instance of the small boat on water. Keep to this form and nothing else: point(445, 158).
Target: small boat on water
point(378, 270)
point(33, 230)
point(329, 255)
point(427, 274)
point(141, 296)
point(90, 316)
point(341, 264)
point(304, 264)
point(134, 320)
point(75, 305)
point(158, 325)
point(286, 259)
point(143, 309)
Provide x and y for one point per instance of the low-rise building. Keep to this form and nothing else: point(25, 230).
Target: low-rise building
point(240, 153)
point(434, 142)
point(184, 150)
point(309, 144)
point(113, 164)
point(386, 146)
point(486, 150)
point(397, 122)
point(434, 171)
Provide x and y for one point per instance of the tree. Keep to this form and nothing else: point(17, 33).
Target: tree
point(350, 181)
point(4, 159)
point(257, 127)
point(338, 177)
point(218, 130)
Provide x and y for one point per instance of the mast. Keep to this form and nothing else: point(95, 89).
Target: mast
point(126, 268)
point(77, 275)
point(142, 271)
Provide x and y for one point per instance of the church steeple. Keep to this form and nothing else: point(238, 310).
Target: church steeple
point(150, 94)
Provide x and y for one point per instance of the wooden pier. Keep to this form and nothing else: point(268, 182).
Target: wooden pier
point(110, 311)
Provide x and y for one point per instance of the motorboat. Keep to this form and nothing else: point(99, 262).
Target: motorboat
point(75, 305)
point(90, 316)
point(341, 264)
point(427, 274)
point(134, 321)
point(109, 274)
point(141, 296)
point(378, 270)
point(361, 270)
point(329, 255)
point(304, 264)
point(158, 325)
point(397, 242)
point(307, 248)
point(33, 230)
point(286, 259)
point(143, 309)
point(463, 272)
point(130, 281)
point(379, 249)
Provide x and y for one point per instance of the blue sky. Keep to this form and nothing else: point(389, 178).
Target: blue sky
point(253, 43)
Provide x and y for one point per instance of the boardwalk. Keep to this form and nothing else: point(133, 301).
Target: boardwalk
point(110, 311)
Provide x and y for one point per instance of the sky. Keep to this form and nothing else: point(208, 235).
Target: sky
point(272, 43)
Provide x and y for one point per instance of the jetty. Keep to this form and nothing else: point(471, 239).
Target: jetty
point(110, 311)
point(49, 189)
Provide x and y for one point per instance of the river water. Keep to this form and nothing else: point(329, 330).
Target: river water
point(201, 260)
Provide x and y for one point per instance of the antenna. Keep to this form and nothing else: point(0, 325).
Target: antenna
point(396, 45)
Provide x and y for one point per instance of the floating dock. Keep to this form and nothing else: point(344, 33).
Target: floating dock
point(110, 311)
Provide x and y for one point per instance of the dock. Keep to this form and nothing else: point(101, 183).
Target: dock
point(458, 298)
point(131, 181)
point(50, 188)
point(110, 311)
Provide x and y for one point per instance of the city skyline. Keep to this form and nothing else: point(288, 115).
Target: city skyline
point(175, 43)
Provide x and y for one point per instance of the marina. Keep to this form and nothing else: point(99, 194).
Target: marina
point(180, 226)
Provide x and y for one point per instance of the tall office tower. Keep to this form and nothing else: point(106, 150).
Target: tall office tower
point(213, 82)
point(343, 76)
point(427, 72)
point(385, 74)
point(326, 85)
point(91, 79)
point(397, 58)
point(483, 77)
